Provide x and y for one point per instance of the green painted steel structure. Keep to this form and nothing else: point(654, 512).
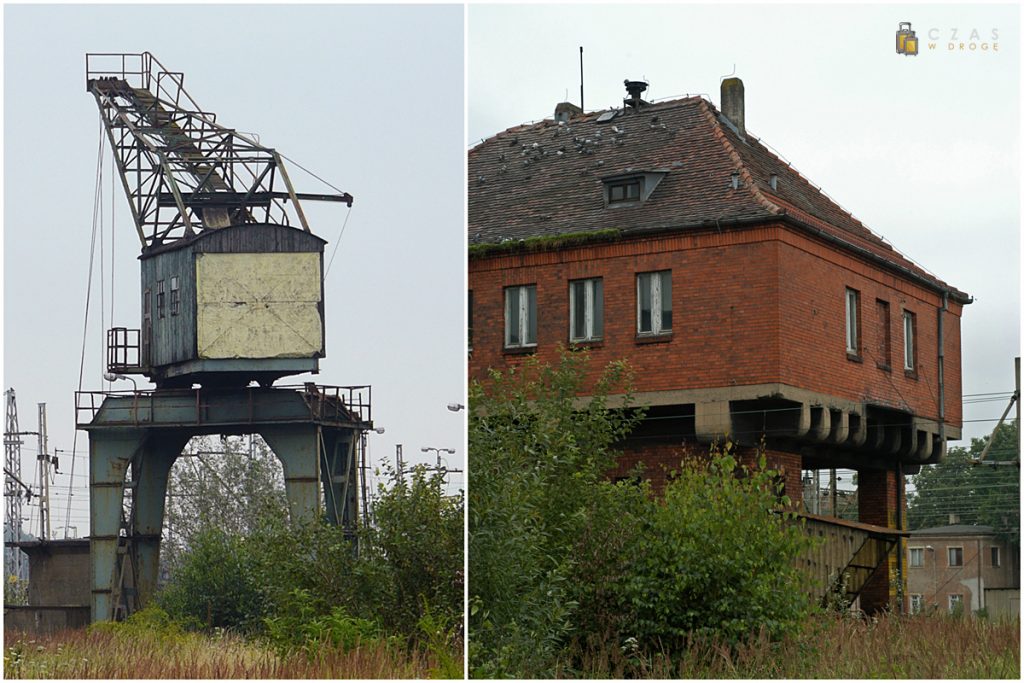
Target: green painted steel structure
point(135, 437)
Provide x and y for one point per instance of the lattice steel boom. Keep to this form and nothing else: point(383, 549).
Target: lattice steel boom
point(182, 171)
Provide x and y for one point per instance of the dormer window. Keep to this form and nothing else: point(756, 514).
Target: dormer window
point(630, 188)
point(625, 190)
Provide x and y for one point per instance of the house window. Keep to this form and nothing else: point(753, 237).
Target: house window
point(175, 296)
point(161, 299)
point(625, 190)
point(956, 603)
point(654, 302)
point(909, 344)
point(586, 310)
point(884, 349)
point(520, 316)
point(917, 557)
point(852, 321)
point(956, 557)
point(916, 603)
point(994, 555)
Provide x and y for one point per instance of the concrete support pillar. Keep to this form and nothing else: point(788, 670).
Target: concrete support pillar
point(300, 450)
point(109, 457)
point(150, 500)
point(877, 494)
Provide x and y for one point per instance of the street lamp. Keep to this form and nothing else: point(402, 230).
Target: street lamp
point(111, 377)
point(456, 407)
point(438, 452)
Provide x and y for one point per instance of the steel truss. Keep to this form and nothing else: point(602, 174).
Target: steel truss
point(181, 170)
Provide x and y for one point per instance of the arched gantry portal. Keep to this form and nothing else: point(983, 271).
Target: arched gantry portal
point(135, 437)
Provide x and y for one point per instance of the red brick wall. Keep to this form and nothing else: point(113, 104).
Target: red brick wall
point(750, 306)
point(813, 280)
point(660, 459)
point(877, 503)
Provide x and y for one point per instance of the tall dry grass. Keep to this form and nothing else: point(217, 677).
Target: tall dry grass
point(828, 646)
point(97, 654)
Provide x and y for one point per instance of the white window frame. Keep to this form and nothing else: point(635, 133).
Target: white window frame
point(949, 555)
point(657, 322)
point(919, 552)
point(954, 599)
point(525, 315)
point(852, 314)
point(916, 603)
point(175, 306)
point(908, 341)
point(995, 556)
point(591, 299)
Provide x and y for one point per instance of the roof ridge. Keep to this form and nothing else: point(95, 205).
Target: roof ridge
point(716, 128)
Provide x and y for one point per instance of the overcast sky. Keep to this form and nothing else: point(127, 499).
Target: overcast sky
point(370, 98)
point(924, 150)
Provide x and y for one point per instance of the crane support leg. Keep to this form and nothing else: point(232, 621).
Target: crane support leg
point(149, 501)
point(108, 463)
point(298, 449)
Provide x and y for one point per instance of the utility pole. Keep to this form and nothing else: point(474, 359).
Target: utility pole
point(14, 560)
point(43, 458)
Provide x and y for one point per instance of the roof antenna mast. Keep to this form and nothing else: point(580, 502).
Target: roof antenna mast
point(581, 77)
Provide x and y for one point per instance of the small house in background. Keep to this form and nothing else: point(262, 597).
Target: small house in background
point(962, 567)
point(748, 303)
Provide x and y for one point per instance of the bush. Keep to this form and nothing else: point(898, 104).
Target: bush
point(303, 583)
point(561, 559)
point(216, 585)
point(716, 556)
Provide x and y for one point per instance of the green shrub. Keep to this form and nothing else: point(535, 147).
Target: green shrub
point(215, 586)
point(716, 556)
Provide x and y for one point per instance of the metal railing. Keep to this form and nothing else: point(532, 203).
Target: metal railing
point(124, 350)
point(345, 404)
point(143, 70)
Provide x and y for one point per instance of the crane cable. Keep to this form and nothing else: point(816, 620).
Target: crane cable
point(336, 189)
point(97, 213)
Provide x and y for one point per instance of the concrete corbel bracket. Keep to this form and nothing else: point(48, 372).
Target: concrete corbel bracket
point(712, 420)
point(840, 426)
point(821, 423)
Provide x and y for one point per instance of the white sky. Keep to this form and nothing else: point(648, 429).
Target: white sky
point(370, 98)
point(924, 150)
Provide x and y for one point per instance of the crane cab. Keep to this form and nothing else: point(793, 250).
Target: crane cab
point(226, 307)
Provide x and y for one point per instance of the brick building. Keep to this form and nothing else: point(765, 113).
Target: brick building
point(747, 302)
point(963, 567)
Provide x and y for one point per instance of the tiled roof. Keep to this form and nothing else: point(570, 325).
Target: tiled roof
point(544, 179)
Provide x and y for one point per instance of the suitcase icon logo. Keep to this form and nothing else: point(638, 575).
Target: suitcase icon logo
point(906, 40)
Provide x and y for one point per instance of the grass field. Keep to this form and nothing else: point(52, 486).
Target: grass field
point(830, 647)
point(111, 654)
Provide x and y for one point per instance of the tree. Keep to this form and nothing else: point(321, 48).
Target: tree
point(229, 485)
point(977, 494)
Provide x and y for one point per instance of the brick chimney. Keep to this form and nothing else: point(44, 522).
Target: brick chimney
point(732, 103)
point(566, 110)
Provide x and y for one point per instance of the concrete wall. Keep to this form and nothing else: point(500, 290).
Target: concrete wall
point(59, 573)
point(44, 620)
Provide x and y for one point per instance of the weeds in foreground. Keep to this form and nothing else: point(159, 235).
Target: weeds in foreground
point(827, 646)
point(108, 653)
